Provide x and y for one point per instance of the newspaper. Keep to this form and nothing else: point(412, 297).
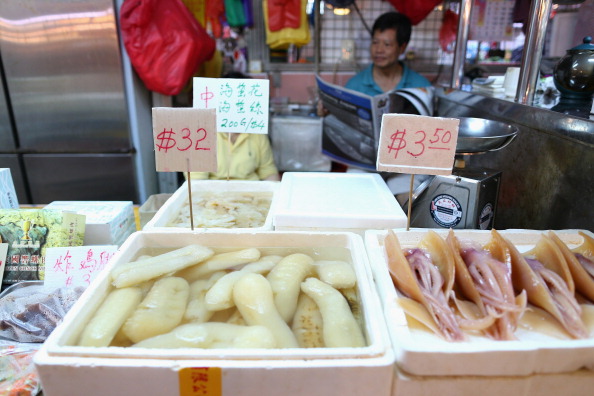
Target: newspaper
point(351, 132)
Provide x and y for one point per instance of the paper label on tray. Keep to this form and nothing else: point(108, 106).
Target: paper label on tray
point(184, 139)
point(199, 381)
point(75, 266)
point(417, 144)
point(241, 104)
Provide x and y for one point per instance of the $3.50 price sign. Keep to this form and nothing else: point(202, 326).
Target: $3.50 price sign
point(241, 104)
point(184, 139)
point(417, 144)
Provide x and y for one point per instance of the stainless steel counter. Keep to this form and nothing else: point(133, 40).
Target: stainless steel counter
point(548, 170)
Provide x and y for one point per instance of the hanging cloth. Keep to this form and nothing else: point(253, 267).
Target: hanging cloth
point(215, 15)
point(234, 12)
point(249, 13)
point(416, 10)
point(448, 30)
point(283, 38)
point(283, 14)
point(197, 8)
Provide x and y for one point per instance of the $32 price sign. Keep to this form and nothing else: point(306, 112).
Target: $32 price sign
point(417, 144)
point(185, 139)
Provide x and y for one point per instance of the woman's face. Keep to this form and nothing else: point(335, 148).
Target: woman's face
point(385, 50)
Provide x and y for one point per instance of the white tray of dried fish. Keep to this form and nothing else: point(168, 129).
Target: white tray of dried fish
point(499, 335)
point(222, 205)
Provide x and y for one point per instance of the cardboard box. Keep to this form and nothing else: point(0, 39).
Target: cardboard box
point(420, 354)
point(8, 197)
point(167, 216)
point(334, 201)
point(66, 370)
point(107, 222)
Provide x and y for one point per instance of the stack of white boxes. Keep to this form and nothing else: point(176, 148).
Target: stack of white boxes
point(107, 222)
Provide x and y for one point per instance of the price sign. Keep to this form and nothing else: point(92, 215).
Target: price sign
point(417, 144)
point(184, 139)
point(75, 266)
point(241, 104)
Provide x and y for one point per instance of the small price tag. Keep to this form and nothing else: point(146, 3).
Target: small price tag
point(185, 139)
point(417, 144)
point(75, 266)
point(198, 381)
point(241, 104)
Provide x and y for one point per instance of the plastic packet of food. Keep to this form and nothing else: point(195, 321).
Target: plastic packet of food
point(29, 312)
point(18, 375)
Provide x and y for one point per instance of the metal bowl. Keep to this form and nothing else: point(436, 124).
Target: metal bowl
point(478, 135)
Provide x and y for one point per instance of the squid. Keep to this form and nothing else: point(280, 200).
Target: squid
point(545, 288)
point(580, 263)
point(426, 275)
point(487, 282)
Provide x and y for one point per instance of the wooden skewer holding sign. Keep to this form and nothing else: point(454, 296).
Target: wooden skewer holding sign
point(229, 155)
point(410, 198)
point(417, 144)
point(190, 197)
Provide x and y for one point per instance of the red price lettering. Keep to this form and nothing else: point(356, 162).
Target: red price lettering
point(166, 140)
point(202, 132)
point(398, 142)
point(445, 138)
point(419, 143)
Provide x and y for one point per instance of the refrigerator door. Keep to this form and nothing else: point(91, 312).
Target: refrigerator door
point(7, 144)
point(63, 69)
point(80, 177)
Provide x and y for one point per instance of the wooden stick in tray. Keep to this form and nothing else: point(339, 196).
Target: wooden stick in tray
point(410, 191)
point(190, 197)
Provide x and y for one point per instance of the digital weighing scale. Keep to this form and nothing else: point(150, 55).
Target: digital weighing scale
point(466, 199)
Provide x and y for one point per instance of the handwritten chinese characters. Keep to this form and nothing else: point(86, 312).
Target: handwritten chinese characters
point(75, 266)
point(241, 104)
point(184, 139)
point(200, 381)
point(417, 144)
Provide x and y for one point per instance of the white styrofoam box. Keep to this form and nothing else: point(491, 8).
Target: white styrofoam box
point(171, 208)
point(578, 383)
point(65, 369)
point(151, 206)
point(107, 222)
point(421, 353)
point(8, 197)
point(336, 201)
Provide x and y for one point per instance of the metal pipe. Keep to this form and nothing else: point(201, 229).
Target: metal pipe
point(461, 39)
point(317, 35)
point(532, 54)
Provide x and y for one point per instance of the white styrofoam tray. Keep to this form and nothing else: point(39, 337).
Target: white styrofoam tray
point(173, 205)
point(312, 371)
point(577, 383)
point(421, 353)
point(336, 201)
